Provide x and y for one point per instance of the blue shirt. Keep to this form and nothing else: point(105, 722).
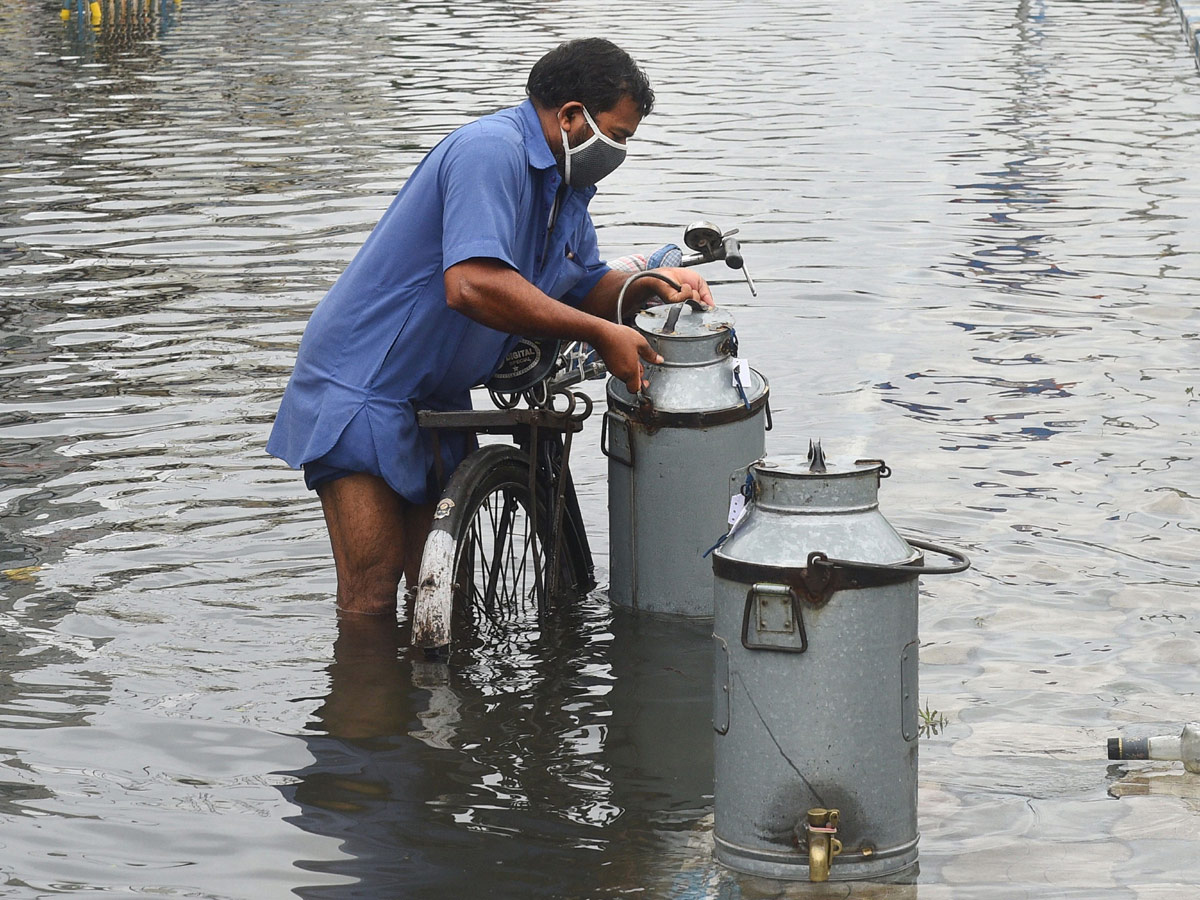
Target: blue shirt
point(383, 342)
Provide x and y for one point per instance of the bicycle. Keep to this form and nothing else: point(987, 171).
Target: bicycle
point(508, 539)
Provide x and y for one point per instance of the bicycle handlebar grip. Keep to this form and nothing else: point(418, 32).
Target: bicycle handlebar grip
point(733, 253)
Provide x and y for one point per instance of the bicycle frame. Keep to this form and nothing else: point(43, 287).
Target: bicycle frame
point(545, 434)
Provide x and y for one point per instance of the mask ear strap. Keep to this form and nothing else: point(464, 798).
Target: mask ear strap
point(566, 146)
point(566, 157)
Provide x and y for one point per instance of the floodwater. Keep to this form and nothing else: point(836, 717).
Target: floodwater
point(975, 229)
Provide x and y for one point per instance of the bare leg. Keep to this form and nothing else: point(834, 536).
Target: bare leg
point(366, 521)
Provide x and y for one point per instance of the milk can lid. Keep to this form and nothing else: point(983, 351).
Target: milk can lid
point(798, 465)
point(815, 465)
point(682, 320)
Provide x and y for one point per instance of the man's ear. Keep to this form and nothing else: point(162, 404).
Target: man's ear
point(569, 113)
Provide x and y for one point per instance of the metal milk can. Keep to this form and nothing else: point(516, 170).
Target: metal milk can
point(670, 450)
point(815, 703)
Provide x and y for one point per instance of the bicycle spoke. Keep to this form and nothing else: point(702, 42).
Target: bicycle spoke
point(505, 555)
point(500, 578)
point(521, 571)
point(496, 579)
point(474, 552)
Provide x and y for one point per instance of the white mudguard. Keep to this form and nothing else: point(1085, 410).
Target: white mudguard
point(431, 609)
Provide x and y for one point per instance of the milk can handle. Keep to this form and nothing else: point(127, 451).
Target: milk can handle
point(961, 562)
point(797, 618)
point(673, 315)
point(672, 319)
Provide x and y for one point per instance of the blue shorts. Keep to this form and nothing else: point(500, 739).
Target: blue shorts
point(355, 451)
point(319, 472)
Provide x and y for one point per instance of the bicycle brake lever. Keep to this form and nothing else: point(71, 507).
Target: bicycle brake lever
point(749, 281)
point(732, 252)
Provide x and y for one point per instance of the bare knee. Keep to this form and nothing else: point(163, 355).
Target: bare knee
point(369, 588)
point(365, 518)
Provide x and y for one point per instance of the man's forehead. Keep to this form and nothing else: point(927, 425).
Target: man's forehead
point(624, 117)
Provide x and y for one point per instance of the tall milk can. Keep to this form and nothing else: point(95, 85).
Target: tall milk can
point(670, 450)
point(815, 703)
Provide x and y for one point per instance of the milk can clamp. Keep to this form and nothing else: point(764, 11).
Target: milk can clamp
point(823, 576)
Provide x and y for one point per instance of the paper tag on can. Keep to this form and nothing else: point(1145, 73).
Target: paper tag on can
point(737, 506)
point(741, 372)
point(741, 520)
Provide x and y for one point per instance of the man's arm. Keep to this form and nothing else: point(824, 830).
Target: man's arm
point(602, 299)
point(496, 295)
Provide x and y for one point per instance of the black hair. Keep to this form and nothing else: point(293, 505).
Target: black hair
point(593, 71)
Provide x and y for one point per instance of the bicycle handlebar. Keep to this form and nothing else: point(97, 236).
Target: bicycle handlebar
point(727, 249)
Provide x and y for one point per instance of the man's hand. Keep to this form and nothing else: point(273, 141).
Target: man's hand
point(601, 301)
point(693, 285)
point(495, 295)
point(623, 348)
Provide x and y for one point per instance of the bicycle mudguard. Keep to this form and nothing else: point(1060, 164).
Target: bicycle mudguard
point(435, 591)
point(525, 366)
point(434, 602)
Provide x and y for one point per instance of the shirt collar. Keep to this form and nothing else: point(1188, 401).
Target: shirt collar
point(540, 156)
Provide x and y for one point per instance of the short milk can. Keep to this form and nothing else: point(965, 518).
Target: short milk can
point(670, 450)
point(815, 703)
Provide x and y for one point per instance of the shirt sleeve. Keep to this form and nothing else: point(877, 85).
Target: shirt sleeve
point(483, 179)
point(587, 253)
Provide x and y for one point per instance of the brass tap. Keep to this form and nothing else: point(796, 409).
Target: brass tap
point(821, 827)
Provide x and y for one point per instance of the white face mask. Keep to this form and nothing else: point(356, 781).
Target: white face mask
point(596, 157)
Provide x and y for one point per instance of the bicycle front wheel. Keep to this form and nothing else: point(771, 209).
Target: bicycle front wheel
point(486, 564)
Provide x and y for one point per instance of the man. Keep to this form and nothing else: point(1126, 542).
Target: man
point(489, 238)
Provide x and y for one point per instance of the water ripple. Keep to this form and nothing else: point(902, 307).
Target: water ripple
point(973, 235)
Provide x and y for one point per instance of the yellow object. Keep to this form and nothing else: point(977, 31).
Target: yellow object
point(65, 14)
point(25, 573)
point(822, 825)
point(95, 10)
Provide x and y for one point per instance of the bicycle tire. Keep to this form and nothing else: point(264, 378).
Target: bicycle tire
point(483, 566)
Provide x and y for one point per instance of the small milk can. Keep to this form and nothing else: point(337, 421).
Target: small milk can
point(815, 704)
point(670, 450)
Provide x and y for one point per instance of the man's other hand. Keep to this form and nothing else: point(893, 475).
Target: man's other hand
point(692, 284)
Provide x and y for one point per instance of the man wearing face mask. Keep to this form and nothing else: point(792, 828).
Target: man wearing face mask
point(489, 238)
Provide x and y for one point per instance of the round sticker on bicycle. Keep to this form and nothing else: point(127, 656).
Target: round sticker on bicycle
point(525, 365)
point(443, 508)
point(522, 359)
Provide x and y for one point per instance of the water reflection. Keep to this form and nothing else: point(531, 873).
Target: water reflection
point(583, 762)
point(1007, 256)
point(108, 30)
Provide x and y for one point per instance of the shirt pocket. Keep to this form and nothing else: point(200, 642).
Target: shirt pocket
point(562, 272)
